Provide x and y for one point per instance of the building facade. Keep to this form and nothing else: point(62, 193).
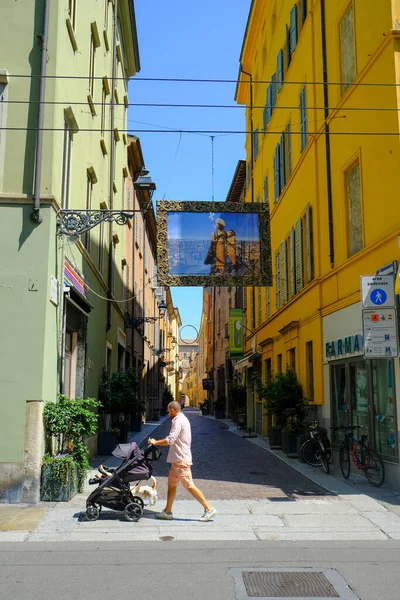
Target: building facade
point(318, 81)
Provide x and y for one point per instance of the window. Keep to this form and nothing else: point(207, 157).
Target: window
point(292, 359)
point(89, 193)
point(347, 50)
point(279, 70)
point(303, 119)
point(353, 189)
point(277, 179)
point(103, 109)
point(92, 54)
point(259, 306)
point(268, 369)
point(299, 255)
point(255, 144)
point(66, 165)
point(282, 162)
point(268, 108)
point(310, 370)
point(283, 273)
point(309, 258)
point(292, 254)
point(279, 363)
point(273, 92)
point(278, 280)
point(72, 12)
point(288, 150)
point(293, 33)
point(266, 189)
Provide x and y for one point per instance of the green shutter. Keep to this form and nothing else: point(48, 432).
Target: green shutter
point(255, 145)
point(293, 29)
point(299, 255)
point(292, 263)
point(259, 305)
point(278, 280)
point(303, 119)
point(287, 47)
point(276, 174)
point(289, 150)
point(280, 70)
point(284, 282)
point(273, 92)
point(282, 157)
point(266, 189)
point(310, 274)
point(303, 10)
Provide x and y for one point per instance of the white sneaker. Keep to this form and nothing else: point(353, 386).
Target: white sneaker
point(208, 515)
point(165, 516)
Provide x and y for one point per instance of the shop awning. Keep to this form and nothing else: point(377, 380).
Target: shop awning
point(247, 362)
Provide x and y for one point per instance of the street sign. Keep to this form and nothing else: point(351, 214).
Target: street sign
point(380, 333)
point(390, 269)
point(377, 291)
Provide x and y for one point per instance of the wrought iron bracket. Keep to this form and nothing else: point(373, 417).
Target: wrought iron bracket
point(135, 322)
point(73, 222)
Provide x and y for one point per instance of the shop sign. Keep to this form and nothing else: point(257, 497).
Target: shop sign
point(351, 344)
point(208, 384)
point(380, 333)
point(236, 338)
point(377, 291)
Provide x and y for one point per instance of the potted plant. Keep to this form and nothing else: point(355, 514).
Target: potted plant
point(205, 407)
point(283, 398)
point(64, 466)
point(125, 401)
point(219, 407)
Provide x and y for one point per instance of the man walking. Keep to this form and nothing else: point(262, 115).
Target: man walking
point(180, 456)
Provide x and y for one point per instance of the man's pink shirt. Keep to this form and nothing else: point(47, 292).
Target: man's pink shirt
point(179, 440)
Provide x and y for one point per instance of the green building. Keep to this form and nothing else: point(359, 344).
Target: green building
point(61, 313)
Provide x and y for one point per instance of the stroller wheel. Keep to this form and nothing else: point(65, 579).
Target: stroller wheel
point(138, 500)
point(93, 512)
point(133, 511)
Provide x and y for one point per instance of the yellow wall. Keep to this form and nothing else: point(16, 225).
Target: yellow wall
point(335, 284)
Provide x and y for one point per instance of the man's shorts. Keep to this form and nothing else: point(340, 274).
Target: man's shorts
point(180, 472)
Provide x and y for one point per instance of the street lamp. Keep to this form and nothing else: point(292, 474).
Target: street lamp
point(135, 322)
point(74, 222)
point(173, 343)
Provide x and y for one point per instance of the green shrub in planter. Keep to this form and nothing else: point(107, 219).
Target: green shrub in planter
point(66, 424)
point(60, 478)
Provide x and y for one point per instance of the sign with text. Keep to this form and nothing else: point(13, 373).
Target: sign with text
point(377, 291)
point(208, 384)
point(236, 338)
point(380, 333)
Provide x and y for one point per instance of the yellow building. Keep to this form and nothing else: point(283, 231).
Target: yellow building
point(322, 116)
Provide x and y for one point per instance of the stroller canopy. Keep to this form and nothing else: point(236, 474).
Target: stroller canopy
point(126, 451)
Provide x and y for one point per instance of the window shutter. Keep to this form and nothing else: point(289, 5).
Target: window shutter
point(310, 257)
point(276, 174)
point(280, 70)
point(292, 263)
point(265, 118)
point(289, 150)
point(284, 282)
point(282, 162)
point(299, 255)
point(288, 54)
point(303, 8)
point(278, 279)
point(255, 139)
point(293, 29)
point(303, 119)
point(273, 92)
point(268, 302)
point(259, 305)
point(266, 189)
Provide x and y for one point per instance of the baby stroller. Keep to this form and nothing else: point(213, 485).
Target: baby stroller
point(114, 491)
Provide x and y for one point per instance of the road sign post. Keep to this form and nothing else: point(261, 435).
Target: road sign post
point(379, 316)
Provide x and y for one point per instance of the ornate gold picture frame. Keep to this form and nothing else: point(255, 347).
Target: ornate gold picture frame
point(213, 244)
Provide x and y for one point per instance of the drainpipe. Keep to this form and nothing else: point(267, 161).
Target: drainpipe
point(111, 265)
point(327, 138)
point(36, 217)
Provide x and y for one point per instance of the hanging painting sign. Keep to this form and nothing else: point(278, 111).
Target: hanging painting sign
point(213, 244)
point(236, 338)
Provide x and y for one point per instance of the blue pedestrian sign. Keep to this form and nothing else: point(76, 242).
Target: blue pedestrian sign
point(377, 291)
point(378, 297)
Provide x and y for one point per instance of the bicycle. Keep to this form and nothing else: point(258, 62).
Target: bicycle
point(316, 451)
point(362, 457)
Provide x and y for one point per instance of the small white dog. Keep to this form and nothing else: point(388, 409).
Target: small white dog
point(148, 493)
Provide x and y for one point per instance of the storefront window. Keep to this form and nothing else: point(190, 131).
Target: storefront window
point(384, 412)
point(363, 394)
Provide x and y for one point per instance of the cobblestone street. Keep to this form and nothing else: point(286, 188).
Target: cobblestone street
point(228, 467)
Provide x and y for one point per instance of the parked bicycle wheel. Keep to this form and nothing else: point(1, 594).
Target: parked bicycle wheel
point(375, 470)
point(344, 458)
point(325, 462)
point(311, 453)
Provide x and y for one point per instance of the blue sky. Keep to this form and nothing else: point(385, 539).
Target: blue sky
point(191, 40)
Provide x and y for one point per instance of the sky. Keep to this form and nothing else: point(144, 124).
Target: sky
point(189, 40)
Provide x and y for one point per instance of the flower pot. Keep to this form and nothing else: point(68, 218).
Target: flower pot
point(53, 489)
point(106, 442)
point(289, 444)
point(275, 438)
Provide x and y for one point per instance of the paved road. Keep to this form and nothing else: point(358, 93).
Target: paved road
point(228, 467)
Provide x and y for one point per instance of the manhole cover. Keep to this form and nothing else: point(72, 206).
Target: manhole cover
point(305, 583)
point(166, 538)
point(295, 584)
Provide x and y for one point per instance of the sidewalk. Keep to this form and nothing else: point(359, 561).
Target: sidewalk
point(354, 511)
